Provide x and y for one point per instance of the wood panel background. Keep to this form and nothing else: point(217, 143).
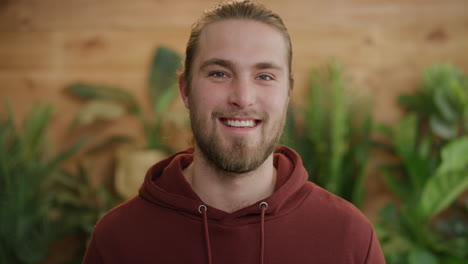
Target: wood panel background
point(384, 45)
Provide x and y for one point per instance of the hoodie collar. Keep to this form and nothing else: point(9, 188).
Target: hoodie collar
point(166, 186)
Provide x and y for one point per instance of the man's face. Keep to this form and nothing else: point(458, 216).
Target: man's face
point(239, 93)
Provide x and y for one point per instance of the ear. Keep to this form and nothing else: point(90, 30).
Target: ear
point(184, 93)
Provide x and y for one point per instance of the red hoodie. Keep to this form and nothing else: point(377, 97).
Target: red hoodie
point(299, 223)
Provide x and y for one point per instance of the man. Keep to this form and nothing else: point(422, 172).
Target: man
point(236, 197)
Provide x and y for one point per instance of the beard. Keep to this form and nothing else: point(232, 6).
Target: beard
point(235, 154)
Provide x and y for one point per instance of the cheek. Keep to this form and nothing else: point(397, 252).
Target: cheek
point(205, 101)
point(276, 101)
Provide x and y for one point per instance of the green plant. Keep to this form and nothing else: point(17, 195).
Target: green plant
point(27, 171)
point(441, 102)
point(109, 103)
point(431, 174)
point(334, 137)
point(81, 205)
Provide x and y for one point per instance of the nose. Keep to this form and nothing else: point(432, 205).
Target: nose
point(242, 93)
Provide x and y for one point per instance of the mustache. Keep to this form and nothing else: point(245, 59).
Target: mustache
point(239, 113)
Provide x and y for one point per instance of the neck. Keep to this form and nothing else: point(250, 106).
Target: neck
point(226, 191)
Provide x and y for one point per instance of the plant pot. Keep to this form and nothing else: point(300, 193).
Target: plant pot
point(132, 165)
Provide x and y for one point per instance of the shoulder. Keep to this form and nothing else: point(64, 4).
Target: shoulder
point(340, 225)
point(124, 214)
point(329, 208)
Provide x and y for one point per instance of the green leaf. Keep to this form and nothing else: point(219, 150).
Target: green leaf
point(98, 110)
point(450, 180)
point(362, 148)
point(405, 137)
point(405, 141)
point(109, 142)
point(401, 189)
point(164, 100)
point(420, 102)
point(104, 93)
point(419, 256)
point(338, 129)
point(64, 155)
point(163, 72)
point(443, 128)
point(384, 130)
point(444, 106)
point(454, 156)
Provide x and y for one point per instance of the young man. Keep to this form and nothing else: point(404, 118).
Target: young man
point(236, 197)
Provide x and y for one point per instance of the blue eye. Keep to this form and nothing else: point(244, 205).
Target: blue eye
point(218, 74)
point(264, 77)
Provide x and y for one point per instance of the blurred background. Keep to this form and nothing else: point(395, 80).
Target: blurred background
point(89, 101)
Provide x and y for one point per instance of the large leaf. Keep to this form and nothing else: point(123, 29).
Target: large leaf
point(420, 256)
point(362, 149)
point(442, 128)
point(163, 102)
point(450, 180)
point(98, 110)
point(445, 106)
point(163, 72)
point(405, 140)
point(338, 130)
point(106, 93)
point(454, 156)
point(419, 102)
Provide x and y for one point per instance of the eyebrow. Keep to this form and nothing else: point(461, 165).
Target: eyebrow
point(230, 65)
point(216, 61)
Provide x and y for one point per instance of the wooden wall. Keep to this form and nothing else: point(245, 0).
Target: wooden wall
point(384, 45)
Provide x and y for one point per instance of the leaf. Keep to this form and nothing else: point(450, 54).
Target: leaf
point(163, 101)
point(444, 106)
point(103, 93)
point(338, 130)
point(405, 141)
point(405, 136)
point(163, 72)
point(442, 128)
point(419, 102)
point(362, 149)
point(450, 180)
point(419, 256)
point(454, 156)
point(98, 110)
point(113, 140)
point(400, 189)
point(384, 130)
point(64, 155)
point(34, 128)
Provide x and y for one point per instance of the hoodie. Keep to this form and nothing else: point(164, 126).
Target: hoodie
point(168, 223)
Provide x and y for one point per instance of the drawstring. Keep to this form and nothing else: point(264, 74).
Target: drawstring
point(202, 209)
point(263, 206)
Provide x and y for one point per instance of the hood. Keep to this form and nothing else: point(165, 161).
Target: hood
point(166, 186)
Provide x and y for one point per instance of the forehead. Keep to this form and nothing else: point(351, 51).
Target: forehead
point(242, 41)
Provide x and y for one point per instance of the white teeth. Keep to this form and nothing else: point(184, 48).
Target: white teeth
point(237, 123)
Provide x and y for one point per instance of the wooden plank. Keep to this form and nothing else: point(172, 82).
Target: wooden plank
point(85, 49)
point(132, 51)
point(33, 15)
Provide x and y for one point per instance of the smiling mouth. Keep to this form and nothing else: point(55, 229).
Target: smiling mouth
point(245, 123)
